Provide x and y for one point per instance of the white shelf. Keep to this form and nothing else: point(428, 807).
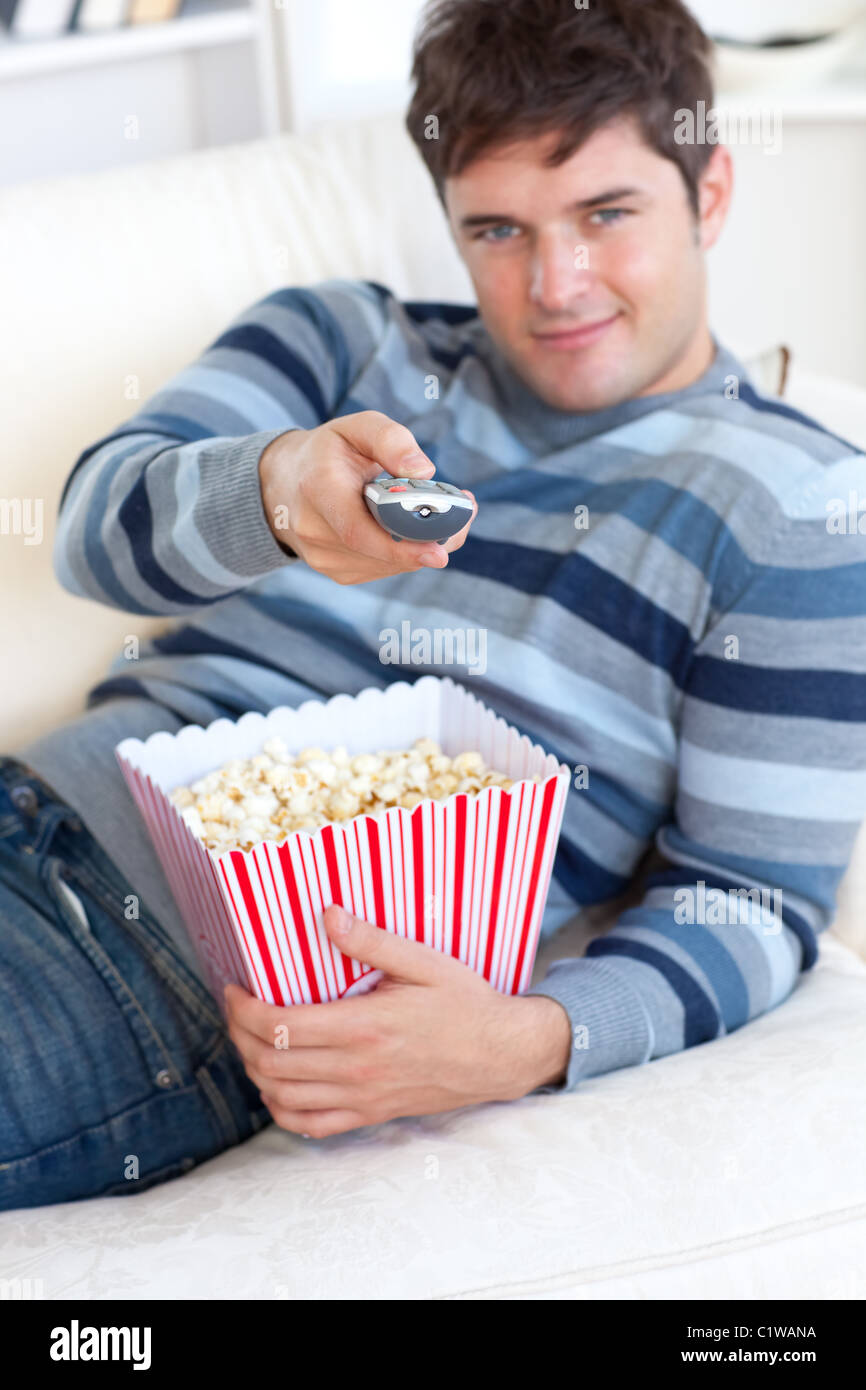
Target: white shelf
point(36, 57)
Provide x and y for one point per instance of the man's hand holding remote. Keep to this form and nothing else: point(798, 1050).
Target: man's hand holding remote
point(312, 483)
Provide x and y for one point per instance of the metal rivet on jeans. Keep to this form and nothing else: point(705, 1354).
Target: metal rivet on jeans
point(163, 1078)
point(25, 799)
point(28, 849)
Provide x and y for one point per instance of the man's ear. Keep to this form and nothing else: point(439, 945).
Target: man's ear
point(715, 187)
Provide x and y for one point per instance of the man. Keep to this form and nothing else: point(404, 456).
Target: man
point(665, 608)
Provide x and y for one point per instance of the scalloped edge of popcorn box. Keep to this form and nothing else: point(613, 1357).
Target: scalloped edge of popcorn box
point(174, 760)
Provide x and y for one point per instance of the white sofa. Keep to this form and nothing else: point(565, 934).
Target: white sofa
point(733, 1170)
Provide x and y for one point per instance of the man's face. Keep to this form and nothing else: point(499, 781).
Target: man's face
point(590, 276)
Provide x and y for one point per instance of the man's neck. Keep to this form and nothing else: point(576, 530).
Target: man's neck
point(691, 365)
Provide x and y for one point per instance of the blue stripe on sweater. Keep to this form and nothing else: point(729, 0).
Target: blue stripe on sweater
point(679, 877)
point(707, 951)
point(841, 593)
point(805, 694)
point(702, 1022)
point(817, 882)
point(94, 548)
point(136, 518)
point(261, 342)
point(581, 587)
point(423, 310)
point(332, 335)
point(172, 700)
point(582, 878)
point(189, 641)
point(685, 523)
point(181, 428)
point(448, 358)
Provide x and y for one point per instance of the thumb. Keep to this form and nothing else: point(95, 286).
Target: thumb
point(398, 957)
point(392, 446)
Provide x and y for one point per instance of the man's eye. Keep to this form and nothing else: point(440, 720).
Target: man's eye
point(489, 233)
point(610, 216)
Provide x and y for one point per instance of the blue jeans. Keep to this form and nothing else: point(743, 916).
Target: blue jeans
point(116, 1070)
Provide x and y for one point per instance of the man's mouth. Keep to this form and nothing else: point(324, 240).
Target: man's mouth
point(581, 336)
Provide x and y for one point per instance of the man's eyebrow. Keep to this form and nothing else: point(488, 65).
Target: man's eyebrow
point(611, 195)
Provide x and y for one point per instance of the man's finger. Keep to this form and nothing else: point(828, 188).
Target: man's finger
point(295, 1062)
point(363, 535)
point(299, 1025)
point(374, 544)
point(302, 1095)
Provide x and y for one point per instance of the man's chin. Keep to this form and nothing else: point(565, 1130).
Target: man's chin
point(588, 390)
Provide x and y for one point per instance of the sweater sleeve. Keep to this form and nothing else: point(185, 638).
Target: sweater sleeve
point(164, 514)
point(771, 792)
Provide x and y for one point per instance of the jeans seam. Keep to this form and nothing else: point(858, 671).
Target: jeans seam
point(90, 878)
point(92, 1129)
point(131, 1187)
point(54, 866)
point(196, 1006)
point(230, 1130)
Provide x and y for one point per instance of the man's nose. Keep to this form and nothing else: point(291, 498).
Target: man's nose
point(559, 273)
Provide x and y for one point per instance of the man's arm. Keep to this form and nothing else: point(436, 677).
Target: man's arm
point(771, 794)
point(165, 513)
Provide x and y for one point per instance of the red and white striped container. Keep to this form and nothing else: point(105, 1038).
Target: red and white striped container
point(468, 875)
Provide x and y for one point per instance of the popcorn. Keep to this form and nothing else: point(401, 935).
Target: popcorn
point(275, 793)
point(279, 776)
point(366, 762)
point(323, 769)
point(276, 751)
point(308, 755)
point(342, 806)
point(467, 763)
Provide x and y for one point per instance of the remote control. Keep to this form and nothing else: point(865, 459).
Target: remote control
point(414, 510)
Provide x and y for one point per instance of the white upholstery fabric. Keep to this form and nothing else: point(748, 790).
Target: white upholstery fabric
point(731, 1170)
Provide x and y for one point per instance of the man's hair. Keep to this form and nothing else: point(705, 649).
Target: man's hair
point(496, 71)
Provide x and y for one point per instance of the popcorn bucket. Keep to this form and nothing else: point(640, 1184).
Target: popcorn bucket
point(468, 875)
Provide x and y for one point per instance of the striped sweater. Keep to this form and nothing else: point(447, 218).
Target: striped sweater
point(672, 598)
